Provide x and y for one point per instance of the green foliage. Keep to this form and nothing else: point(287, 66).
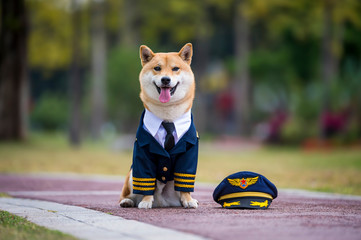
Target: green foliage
point(271, 66)
point(296, 130)
point(50, 46)
point(112, 20)
point(284, 53)
point(49, 41)
point(305, 104)
point(50, 112)
point(13, 227)
point(4, 195)
point(308, 101)
point(172, 21)
point(351, 81)
point(124, 104)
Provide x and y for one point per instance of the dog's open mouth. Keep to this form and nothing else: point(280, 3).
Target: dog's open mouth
point(165, 92)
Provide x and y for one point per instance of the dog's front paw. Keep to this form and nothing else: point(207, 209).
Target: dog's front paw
point(146, 202)
point(126, 202)
point(193, 203)
point(145, 205)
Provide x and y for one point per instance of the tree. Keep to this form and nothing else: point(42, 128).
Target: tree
point(200, 61)
point(242, 78)
point(129, 32)
point(13, 70)
point(75, 83)
point(98, 68)
point(329, 64)
point(334, 17)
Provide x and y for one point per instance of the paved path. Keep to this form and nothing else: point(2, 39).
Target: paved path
point(86, 223)
point(293, 215)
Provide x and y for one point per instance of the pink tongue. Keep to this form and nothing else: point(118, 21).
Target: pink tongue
point(164, 95)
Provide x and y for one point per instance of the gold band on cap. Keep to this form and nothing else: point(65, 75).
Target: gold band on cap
point(245, 194)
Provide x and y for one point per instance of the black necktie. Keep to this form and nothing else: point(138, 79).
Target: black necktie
point(169, 139)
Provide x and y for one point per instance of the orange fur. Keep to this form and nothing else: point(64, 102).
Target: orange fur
point(186, 196)
point(125, 190)
point(148, 198)
point(167, 61)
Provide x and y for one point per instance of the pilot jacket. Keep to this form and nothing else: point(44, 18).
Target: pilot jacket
point(152, 162)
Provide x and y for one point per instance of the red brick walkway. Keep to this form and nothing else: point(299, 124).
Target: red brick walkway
point(293, 215)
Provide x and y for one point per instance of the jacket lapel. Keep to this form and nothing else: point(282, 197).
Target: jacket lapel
point(145, 138)
point(189, 137)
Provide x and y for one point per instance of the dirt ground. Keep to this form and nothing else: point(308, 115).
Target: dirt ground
point(290, 216)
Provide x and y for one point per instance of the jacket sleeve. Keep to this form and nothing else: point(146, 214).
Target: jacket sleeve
point(144, 171)
point(185, 169)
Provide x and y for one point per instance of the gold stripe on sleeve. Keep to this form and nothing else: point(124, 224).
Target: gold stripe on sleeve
point(143, 183)
point(143, 188)
point(183, 185)
point(143, 179)
point(184, 175)
point(184, 180)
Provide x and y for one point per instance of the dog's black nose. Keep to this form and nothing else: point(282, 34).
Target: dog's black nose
point(165, 80)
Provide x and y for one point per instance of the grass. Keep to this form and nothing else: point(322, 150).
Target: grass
point(335, 171)
point(16, 228)
point(51, 153)
point(4, 195)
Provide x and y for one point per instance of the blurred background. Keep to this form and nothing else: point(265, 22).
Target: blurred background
point(276, 71)
point(273, 72)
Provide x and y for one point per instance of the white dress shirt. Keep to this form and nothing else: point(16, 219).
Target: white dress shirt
point(154, 126)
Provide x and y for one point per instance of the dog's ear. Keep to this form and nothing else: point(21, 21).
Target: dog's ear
point(186, 53)
point(146, 54)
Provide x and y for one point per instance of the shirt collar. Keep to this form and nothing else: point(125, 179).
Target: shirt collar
point(183, 123)
point(153, 123)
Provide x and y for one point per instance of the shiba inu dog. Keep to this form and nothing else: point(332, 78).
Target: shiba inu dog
point(165, 152)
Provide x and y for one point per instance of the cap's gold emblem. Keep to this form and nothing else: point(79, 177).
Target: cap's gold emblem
point(242, 183)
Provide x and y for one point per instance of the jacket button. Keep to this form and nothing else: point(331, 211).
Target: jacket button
point(163, 178)
point(165, 169)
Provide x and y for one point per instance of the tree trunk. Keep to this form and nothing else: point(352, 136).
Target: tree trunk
point(75, 83)
point(331, 39)
point(13, 70)
point(328, 56)
point(242, 82)
point(98, 68)
point(200, 62)
point(128, 33)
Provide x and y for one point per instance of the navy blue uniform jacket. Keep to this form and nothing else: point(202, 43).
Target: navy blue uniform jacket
point(151, 161)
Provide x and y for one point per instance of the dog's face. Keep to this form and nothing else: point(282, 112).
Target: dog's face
point(166, 78)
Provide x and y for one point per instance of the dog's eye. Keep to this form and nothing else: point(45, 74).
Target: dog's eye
point(157, 68)
point(175, 69)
